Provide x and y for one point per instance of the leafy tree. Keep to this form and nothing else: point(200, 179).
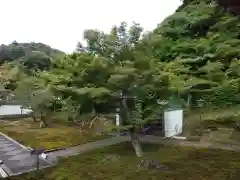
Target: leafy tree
point(37, 60)
point(10, 73)
point(117, 45)
point(33, 93)
point(84, 80)
point(112, 66)
point(81, 78)
point(206, 39)
point(80, 48)
point(142, 84)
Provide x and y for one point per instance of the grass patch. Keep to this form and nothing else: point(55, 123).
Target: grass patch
point(224, 136)
point(183, 163)
point(212, 119)
point(56, 136)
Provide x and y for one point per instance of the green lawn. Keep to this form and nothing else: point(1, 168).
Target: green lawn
point(223, 135)
point(56, 136)
point(220, 121)
point(225, 116)
point(183, 164)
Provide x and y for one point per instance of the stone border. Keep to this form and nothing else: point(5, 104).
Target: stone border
point(33, 170)
point(22, 146)
point(15, 116)
point(13, 140)
point(3, 173)
point(56, 149)
point(66, 148)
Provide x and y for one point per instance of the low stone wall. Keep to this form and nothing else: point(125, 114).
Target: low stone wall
point(13, 102)
point(14, 111)
point(15, 116)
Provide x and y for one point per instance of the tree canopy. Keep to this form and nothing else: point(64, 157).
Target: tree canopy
point(34, 55)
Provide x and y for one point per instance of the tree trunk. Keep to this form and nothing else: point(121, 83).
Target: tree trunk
point(143, 105)
point(34, 117)
point(82, 126)
point(92, 122)
point(189, 100)
point(43, 122)
point(133, 134)
point(126, 110)
point(136, 143)
point(93, 111)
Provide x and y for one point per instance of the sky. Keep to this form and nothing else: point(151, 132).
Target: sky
point(61, 23)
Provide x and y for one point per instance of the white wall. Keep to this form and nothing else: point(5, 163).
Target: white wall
point(13, 110)
point(173, 122)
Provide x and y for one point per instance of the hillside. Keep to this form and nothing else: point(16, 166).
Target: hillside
point(194, 52)
point(30, 53)
point(205, 37)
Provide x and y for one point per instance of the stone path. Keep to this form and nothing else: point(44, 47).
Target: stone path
point(147, 139)
point(88, 147)
point(16, 158)
point(184, 143)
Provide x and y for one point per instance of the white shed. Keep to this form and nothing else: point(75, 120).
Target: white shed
point(173, 122)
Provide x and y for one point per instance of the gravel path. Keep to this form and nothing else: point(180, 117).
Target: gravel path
point(184, 143)
point(88, 147)
point(147, 139)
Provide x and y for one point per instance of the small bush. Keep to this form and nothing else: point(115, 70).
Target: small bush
point(198, 131)
point(212, 119)
point(237, 126)
point(212, 125)
point(213, 128)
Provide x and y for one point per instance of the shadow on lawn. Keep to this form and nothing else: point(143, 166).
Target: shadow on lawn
point(126, 149)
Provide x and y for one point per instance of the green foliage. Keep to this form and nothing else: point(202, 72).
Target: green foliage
point(205, 39)
point(214, 118)
point(116, 45)
point(11, 73)
point(37, 60)
point(34, 55)
point(111, 64)
point(228, 92)
point(82, 78)
point(192, 54)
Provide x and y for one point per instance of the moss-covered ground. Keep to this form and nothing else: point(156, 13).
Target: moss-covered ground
point(27, 132)
point(182, 163)
point(219, 124)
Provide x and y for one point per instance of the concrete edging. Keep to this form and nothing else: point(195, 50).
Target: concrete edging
point(15, 116)
point(57, 149)
point(3, 173)
point(22, 146)
point(13, 140)
point(66, 148)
